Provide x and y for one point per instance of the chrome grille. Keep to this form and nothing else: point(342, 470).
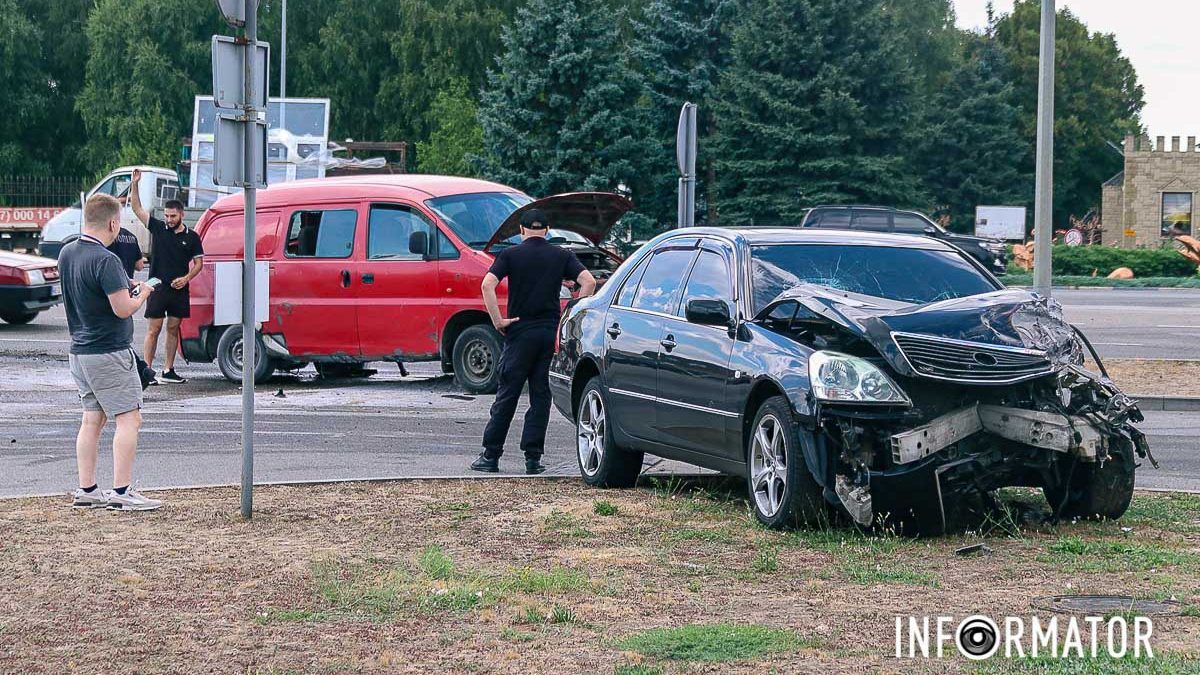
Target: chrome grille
point(970, 362)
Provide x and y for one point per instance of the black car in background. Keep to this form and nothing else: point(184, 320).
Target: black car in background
point(819, 366)
point(991, 253)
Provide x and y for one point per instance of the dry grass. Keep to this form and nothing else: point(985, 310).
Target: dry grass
point(525, 576)
point(1155, 377)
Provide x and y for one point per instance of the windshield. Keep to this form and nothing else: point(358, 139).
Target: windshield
point(476, 217)
point(910, 275)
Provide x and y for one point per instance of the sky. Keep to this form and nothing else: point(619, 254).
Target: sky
point(1156, 35)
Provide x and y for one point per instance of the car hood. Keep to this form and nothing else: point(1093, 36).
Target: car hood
point(25, 262)
point(1004, 318)
point(590, 214)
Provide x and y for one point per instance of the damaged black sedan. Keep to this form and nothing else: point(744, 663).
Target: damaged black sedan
point(887, 379)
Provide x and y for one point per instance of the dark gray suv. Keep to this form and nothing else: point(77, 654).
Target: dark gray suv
point(991, 253)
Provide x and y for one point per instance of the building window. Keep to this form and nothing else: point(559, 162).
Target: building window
point(1176, 213)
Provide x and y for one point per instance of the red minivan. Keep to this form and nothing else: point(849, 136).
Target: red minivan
point(381, 268)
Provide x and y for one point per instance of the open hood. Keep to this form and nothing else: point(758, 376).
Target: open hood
point(589, 214)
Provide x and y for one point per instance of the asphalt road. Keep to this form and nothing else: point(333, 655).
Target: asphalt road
point(423, 425)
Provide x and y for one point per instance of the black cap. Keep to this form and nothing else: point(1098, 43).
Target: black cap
point(534, 219)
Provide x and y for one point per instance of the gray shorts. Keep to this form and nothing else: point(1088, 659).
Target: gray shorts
point(109, 383)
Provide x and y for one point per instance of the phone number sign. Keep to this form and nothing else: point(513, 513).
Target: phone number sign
point(29, 216)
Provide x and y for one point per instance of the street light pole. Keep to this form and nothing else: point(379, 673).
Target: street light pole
point(282, 70)
point(1043, 230)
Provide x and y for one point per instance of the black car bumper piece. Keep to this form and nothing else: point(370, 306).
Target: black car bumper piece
point(26, 299)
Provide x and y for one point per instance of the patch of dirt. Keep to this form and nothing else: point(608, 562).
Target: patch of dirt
point(1155, 377)
point(330, 579)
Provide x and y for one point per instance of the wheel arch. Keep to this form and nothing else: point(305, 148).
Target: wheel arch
point(455, 326)
point(584, 372)
point(764, 389)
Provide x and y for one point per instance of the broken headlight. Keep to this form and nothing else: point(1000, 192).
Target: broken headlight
point(841, 377)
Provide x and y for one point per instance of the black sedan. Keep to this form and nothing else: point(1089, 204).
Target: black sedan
point(880, 377)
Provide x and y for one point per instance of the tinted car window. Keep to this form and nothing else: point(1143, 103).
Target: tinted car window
point(625, 299)
point(709, 280)
point(661, 280)
point(389, 230)
point(875, 221)
point(910, 224)
point(321, 234)
point(904, 274)
point(833, 219)
point(446, 248)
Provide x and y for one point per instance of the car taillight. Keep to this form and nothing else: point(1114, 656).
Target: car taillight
point(35, 277)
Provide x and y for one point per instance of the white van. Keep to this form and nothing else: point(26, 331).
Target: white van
point(158, 186)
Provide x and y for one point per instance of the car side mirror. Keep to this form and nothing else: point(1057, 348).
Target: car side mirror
point(930, 230)
point(418, 243)
point(708, 312)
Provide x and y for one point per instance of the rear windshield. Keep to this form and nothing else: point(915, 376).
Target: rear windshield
point(476, 217)
point(904, 274)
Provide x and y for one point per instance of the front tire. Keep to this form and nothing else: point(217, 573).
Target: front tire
point(229, 356)
point(601, 462)
point(19, 319)
point(782, 490)
point(476, 359)
point(1095, 491)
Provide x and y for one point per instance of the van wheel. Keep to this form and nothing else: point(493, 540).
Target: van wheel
point(477, 359)
point(601, 462)
point(229, 356)
point(1095, 491)
point(19, 319)
point(782, 490)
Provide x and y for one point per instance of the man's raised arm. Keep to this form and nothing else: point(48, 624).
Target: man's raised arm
point(135, 197)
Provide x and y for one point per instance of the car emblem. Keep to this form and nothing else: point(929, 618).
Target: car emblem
point(984, 359)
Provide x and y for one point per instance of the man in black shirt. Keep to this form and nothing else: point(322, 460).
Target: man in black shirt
point(127, 248)
point(176, 257)
point(535, 270)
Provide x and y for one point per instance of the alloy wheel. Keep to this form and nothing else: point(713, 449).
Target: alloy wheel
point(590, 431)
point(768, 465)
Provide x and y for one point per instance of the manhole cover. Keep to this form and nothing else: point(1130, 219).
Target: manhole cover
point(1097, 605)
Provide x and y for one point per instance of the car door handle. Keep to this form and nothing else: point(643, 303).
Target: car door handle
point(368, 278)
point(668, 342)
point(345, 278)
point(614, 331)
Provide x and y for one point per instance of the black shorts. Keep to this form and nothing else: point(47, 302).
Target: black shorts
point(166, 301)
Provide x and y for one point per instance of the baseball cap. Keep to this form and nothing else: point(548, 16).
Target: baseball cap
point(534, 219)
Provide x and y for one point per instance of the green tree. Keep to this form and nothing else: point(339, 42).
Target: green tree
point(147, 60)
point(563, 111)
point(1097, 99)
point(456, 135)
point(813, 108)
point(928, 39)
point(678, 46)
point(24, 81)
point(972, 147)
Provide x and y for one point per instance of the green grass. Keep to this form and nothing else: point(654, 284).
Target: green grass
point(288, 616)
point(1174, 512)
point(1161, 664)
point(714, 643)
point(715, 536)
point(886, 572)
point(637, 670)
point(1109, 555)
point(766, 561)
point(849, 543)
point(553, 580)
point(561, 522)
point(514, 635)
point(1014, 279)
point(604, 508)
point(435, 563)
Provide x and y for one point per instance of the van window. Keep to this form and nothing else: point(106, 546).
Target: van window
point(835, 219)
point(115, 186)
point(322, 234)
point(873, 221)
point(446, 248)
point(389, 230)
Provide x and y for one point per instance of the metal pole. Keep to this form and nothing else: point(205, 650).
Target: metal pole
point(248, 258)
point(283, 70)
point(1043, 230)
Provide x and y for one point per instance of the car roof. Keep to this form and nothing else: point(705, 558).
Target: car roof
point(755, 236)
point(418, 187)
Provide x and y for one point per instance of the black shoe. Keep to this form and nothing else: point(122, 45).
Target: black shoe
point(486, 464)
point(171, 377)
point(148, 377)
point(534, 466)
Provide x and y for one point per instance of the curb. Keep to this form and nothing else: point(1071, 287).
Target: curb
point(1110, 288)
point(1168, 403)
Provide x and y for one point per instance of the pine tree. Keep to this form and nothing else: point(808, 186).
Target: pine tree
point(562, 111)
point(813, 108)
point(678, 47)
point(973, 147)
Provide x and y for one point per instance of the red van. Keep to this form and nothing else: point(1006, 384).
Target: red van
point(381, 268)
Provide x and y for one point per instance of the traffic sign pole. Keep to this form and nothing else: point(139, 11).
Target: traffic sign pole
point(249, 341)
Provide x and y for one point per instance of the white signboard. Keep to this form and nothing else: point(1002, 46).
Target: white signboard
point(1000, 222)
point(227, 292)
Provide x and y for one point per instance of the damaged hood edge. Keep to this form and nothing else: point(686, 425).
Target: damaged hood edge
point(591, 215)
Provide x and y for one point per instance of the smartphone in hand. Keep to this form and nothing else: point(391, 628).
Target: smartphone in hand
point(152, 282)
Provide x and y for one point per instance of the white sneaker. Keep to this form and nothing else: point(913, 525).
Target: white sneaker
point(89, 500)
point(132, 500)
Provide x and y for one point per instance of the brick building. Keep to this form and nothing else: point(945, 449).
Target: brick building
point(1154, 196)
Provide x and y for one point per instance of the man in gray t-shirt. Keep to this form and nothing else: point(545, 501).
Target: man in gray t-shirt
point(100, 301)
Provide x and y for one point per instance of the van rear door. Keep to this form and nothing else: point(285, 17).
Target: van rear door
point(314, 292)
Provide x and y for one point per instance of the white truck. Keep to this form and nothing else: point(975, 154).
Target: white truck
point(158, 185)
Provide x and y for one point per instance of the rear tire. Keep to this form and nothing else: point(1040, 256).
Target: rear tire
point(1095, 491)
point(477, 359)
point(782, 490)
point(19, 319)
point(229, 356)
point(601, 463)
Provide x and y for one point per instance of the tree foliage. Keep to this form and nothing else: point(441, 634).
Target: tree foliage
point(813, 108)
point(456, 135)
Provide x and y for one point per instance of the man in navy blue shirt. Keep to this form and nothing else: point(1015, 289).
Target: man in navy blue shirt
point(127, 248)
point(536, 270)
